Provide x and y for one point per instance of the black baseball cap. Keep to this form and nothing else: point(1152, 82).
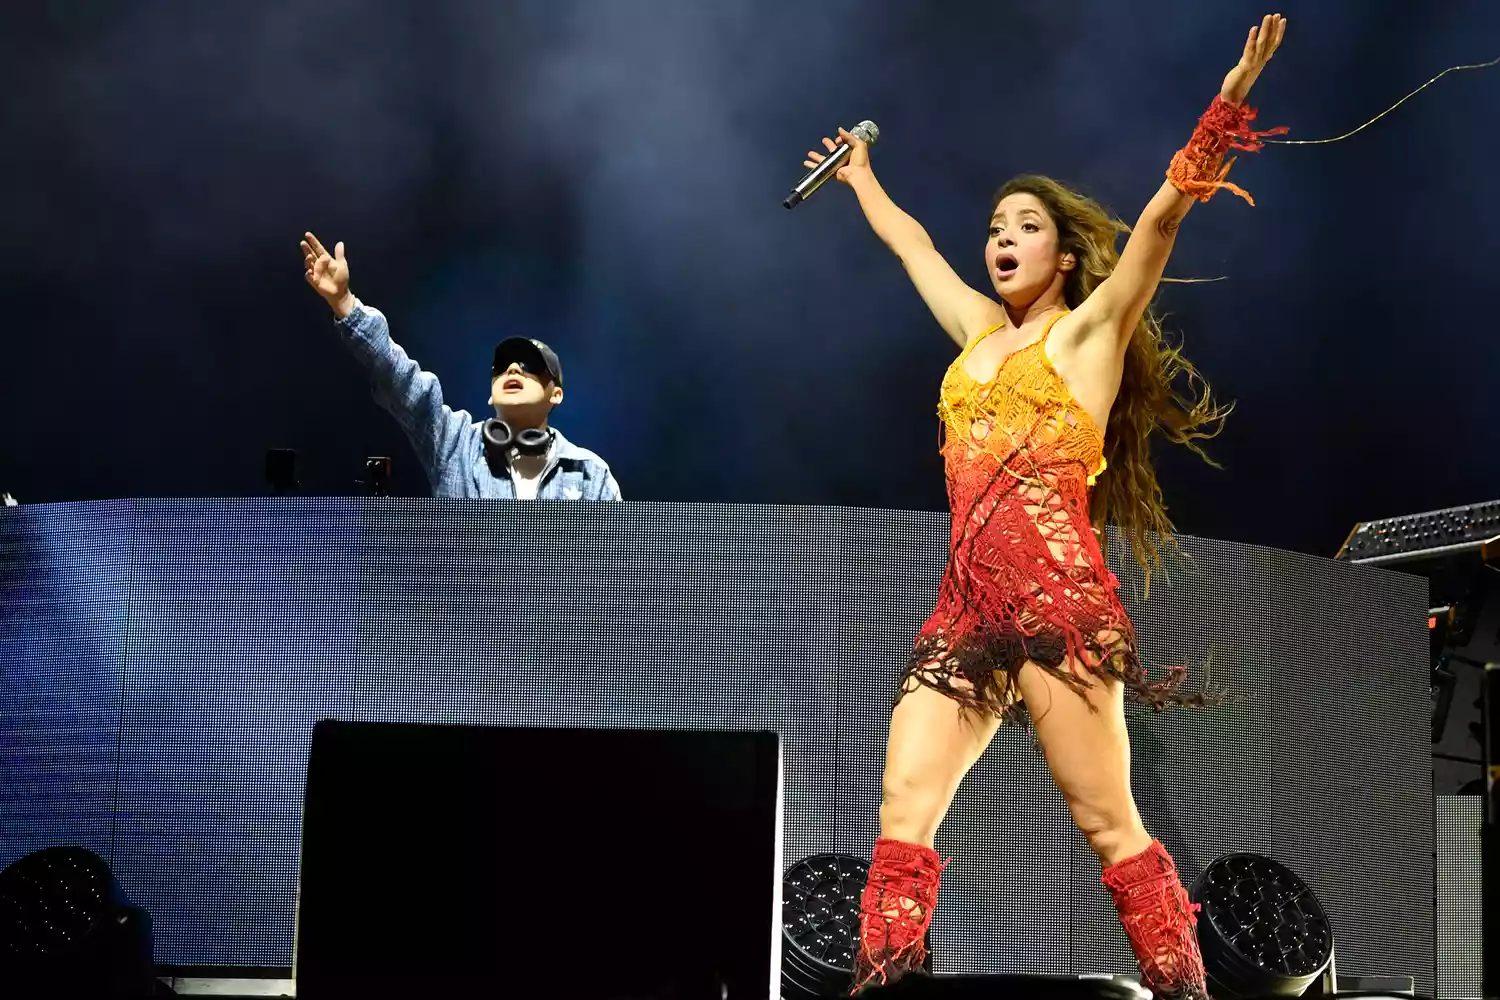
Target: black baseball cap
point(535, 356)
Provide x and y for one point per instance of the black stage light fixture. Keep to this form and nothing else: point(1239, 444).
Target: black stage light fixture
point(378, 475)
point(68, 929)
point(820, 925)
point(1262, 931)
point(281, 470)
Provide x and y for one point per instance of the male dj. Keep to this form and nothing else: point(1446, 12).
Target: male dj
point(517, 455)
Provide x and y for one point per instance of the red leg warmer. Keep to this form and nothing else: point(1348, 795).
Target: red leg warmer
point(1160, 922)
point(895, 912)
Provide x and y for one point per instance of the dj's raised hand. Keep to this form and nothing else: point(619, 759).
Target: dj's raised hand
point(1260, 46)
point(859, 155)
point(328, 274)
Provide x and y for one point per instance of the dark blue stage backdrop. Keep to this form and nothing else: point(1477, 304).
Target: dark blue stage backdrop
point(607, 176)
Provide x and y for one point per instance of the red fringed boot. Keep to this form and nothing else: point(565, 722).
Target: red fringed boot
point(895, 911)
point(1161, 923)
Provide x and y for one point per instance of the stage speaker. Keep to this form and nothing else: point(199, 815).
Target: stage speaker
point(607, 864)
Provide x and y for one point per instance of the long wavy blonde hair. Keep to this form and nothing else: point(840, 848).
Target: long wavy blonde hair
point(1160, 389)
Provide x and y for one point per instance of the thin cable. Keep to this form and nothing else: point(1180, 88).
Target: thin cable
point(1393, 107)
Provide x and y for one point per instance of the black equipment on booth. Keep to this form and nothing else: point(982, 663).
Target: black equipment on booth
point(281, 470)
point(1415, 540)
point(378, 475)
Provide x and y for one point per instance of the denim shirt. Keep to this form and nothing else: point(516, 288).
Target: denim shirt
point(450, 443)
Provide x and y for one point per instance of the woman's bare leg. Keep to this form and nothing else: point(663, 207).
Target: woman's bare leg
point(1088, 751)
point(932, 746)
point(1084, 739)
point(930, 749)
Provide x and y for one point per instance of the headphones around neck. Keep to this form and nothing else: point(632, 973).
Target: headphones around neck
point(500, 440)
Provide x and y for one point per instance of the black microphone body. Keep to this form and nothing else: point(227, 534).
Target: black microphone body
point(866, 130)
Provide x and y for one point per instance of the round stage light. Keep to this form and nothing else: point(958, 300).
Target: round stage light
point(820, 925)
point(1262, 931)
point(66, 928)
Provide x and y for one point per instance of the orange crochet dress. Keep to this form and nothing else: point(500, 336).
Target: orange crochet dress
point(1026, 580)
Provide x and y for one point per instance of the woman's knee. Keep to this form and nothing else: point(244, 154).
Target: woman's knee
point(911, 808)
point(1113, 830)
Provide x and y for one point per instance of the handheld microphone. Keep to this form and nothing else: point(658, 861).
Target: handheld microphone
point(866, 130)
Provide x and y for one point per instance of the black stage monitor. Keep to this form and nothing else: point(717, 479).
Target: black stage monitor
point(472, 860)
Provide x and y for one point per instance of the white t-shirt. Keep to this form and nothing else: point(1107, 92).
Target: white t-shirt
point(526, 485)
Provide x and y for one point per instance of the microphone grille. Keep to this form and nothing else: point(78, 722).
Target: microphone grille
point(868, 131)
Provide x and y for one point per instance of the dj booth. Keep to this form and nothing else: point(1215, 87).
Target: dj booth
point(163, 664)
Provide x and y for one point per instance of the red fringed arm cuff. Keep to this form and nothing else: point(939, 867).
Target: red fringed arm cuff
point(1198, 169)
